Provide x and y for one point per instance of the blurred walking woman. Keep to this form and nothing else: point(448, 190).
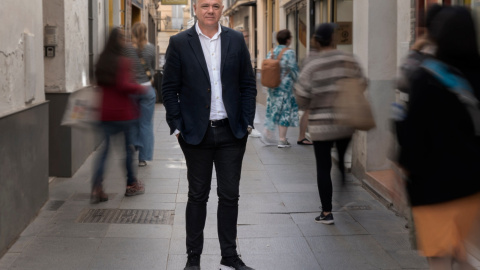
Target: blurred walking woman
point(142, 55)
point(316, 91)
point(282, 110)
point(118, 113)
point(441, 151)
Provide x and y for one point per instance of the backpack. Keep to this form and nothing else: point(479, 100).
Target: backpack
point(271, 70)
point(454, 81)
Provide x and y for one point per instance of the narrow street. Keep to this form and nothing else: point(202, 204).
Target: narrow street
point(276, 231)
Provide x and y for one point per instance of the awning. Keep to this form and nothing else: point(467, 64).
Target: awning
point(237, 4)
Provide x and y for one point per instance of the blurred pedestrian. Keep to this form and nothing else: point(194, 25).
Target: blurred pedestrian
point(441, 147)
point(316, 91)
point(142, 54)
point(209, 95)
point(422, 49)
point(282, 110)
point(118, 112)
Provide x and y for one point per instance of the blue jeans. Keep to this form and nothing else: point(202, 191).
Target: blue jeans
point(109, 129)
point(142, 132)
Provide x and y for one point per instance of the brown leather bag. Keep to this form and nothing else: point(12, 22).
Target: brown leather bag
point(271, 70)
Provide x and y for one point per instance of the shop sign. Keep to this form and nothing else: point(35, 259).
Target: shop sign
point(344, 33)
point(174, 2)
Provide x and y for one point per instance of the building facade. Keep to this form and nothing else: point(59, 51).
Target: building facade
point(48, 52)
point(23, 118)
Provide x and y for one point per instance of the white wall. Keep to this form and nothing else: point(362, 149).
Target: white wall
point(404, 29)
point(375, 45)
point(19, 17)
point(100, 35)
point(360, 32)
point(54, 15)
point(68, 70)
point(76, 45)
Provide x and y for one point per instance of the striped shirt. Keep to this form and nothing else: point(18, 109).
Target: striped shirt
point(316, 90)
point(138, 69)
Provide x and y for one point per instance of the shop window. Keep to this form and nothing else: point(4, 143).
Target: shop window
point(302, 33)
point(298, 26)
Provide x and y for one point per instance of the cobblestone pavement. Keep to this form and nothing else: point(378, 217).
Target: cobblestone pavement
point(276, 230)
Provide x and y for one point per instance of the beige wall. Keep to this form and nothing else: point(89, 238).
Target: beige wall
point(21, 61)
point(166, 32)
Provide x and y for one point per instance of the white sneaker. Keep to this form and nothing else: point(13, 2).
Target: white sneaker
point(255, 134)
point(283, 144)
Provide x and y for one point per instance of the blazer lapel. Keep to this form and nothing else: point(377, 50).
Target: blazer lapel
point(225, 43)
point(194, 42)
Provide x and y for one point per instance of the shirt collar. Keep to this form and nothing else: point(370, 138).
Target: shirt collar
point(199, 32)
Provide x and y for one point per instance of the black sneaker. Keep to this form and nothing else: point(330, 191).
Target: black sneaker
point(193, 262)
point(325, 219)
point(233, 263)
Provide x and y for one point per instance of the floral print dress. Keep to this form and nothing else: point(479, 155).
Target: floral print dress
point(282, 109)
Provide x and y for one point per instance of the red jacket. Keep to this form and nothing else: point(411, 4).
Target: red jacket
point(117, 104)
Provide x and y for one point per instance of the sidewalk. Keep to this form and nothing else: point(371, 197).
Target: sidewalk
point(279, 200)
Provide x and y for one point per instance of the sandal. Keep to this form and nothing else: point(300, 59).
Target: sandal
point(305, 141)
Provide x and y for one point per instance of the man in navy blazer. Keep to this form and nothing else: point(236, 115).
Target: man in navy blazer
point(209, 95)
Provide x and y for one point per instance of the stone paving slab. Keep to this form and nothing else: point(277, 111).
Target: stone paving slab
point(278, 202)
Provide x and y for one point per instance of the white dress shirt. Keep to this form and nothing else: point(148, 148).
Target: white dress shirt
point(212, 50)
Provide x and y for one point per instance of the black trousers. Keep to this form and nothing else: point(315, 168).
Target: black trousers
point(219, 147)
point(323, 159)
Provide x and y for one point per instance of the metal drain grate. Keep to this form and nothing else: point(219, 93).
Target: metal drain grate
point(127, 216)
point(359, 207)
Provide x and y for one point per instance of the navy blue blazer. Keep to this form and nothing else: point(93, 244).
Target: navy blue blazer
point(186, 85)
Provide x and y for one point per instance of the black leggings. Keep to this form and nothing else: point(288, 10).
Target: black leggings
point(323, 158)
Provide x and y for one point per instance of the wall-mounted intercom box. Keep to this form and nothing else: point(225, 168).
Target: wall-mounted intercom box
point(50, 40)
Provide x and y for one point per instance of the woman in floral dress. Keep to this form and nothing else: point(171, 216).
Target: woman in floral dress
point(282, 109)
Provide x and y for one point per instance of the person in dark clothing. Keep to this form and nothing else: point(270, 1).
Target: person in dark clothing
point(441, 143)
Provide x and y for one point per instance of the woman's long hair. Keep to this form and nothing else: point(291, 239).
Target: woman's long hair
point(453, 31)
point(139, 35)
point(107, 65)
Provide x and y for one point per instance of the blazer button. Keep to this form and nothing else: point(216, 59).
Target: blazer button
point(208, 106)
point(208, 90)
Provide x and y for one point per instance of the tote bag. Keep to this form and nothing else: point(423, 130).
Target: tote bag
point(351, 107)
point(83, 108)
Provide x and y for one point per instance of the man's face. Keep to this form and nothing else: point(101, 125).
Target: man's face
point(208, 12)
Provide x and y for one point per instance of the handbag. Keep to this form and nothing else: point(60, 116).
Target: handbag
point(83, 108)
point(351, 107)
